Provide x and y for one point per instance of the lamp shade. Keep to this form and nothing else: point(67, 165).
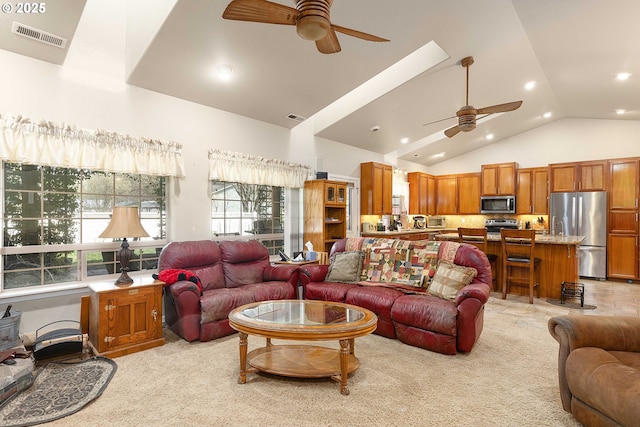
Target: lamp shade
point(125, 222)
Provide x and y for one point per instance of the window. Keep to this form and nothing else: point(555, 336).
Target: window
point(248, 210)
point(52, 218)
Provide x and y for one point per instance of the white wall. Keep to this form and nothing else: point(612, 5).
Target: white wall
point(565, 140)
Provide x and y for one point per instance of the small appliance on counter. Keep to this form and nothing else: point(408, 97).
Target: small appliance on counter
point(436, 222)
point(368, 227)
point(419, 221)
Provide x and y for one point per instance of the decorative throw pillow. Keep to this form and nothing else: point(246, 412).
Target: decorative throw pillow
point(449, 279)
point(345, 267)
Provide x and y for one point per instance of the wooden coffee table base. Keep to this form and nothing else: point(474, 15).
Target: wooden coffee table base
point(300, 361)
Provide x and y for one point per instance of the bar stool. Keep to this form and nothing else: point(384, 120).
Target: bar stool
point(478, 238)
point(518, 253)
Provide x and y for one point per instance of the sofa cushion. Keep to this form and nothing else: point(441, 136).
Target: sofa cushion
point(274, 290)
point(345, 267)
point(327, 291)
point(426, 312)
point(449, 279)
point(243, 262)
point(216, 304)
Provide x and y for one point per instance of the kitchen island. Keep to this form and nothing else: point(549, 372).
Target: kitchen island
point(559, 261)
point(407, 233)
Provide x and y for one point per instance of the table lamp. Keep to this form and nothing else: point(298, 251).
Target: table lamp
point(125, 222)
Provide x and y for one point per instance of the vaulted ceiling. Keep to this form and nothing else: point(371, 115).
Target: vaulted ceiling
point(571, 49)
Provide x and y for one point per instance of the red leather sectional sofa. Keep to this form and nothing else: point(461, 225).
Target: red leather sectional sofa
point(421, 320)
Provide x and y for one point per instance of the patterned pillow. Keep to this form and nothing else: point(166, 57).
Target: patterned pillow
point(449, 279)
point(345, 267)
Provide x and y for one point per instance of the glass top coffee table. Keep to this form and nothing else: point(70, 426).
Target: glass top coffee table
point(302, 320)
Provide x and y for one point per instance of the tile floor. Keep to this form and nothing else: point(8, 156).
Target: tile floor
point(610, 298)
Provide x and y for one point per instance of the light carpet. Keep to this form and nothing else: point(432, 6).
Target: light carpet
point(509, 379)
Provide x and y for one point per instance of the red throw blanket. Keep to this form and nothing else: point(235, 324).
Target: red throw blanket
point(172, 275)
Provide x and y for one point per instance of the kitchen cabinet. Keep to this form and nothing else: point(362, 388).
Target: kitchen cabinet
point(376, 188)
point(499, 179)
point(422, 193)
point(469, 194)
point(581, 176)
point(447, 191)
point(324, 214)
point(458, 194)
point(623, 261)
point(532, 191)
point(124, 320)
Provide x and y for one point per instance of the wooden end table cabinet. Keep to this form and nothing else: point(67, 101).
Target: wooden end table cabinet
point(125, 319)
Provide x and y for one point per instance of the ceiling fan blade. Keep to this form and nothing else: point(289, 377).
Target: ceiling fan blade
point(500, 108)
point(329, 43)
point(438, 121)
point(451, 132)
point(260, 11)
point(358, 34)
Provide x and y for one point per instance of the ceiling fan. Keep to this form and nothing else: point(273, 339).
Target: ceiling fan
point(467, 114)
point(311, 18)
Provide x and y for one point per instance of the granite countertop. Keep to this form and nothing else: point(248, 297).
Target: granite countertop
point(540, 238)
point(403, 231)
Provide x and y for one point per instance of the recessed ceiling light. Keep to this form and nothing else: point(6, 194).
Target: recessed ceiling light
point(547, 114)
point(404, 140)
point(417, 155)
point(623, 76)
point(530, 85)
point(225, 71)
point(438, 155)
point(489, 136)
point(621, 111)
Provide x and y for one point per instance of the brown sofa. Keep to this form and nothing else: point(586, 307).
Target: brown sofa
point(391, 284)
point(232, 273)
point(599, 368)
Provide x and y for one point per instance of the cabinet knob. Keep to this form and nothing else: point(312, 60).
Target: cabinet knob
point(154, 313)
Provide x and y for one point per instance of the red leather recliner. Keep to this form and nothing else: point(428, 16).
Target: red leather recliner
point(232, 273)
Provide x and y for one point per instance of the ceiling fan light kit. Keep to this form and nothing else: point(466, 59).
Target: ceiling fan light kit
point(310, 17)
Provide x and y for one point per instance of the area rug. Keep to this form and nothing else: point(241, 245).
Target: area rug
point(59, 389)
point(572, 304)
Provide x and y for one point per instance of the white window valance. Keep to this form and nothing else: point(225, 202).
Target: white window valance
point(62, 145)
point(247, 169)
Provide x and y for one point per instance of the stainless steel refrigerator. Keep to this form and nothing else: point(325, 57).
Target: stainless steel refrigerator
point(583, 214)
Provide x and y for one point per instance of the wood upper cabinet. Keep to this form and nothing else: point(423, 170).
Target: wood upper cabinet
point(376, 188)
point(499, 179)
point(422, 193)
point(469, 194)
point(581, 176)
point(447, 191)
point(532, 191)
point(624, 181)
point(335, 193)
point(623, 239)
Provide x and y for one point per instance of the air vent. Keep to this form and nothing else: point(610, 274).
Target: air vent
point(38, 35)
point(296, 117)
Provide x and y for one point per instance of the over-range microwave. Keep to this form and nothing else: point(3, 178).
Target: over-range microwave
point(498, 204)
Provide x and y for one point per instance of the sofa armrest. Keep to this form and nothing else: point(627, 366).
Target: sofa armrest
point(183, 313)
point(176, 289)
point(281, 272)
point(611, 333)
point(480, 291)
point(313, 273)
